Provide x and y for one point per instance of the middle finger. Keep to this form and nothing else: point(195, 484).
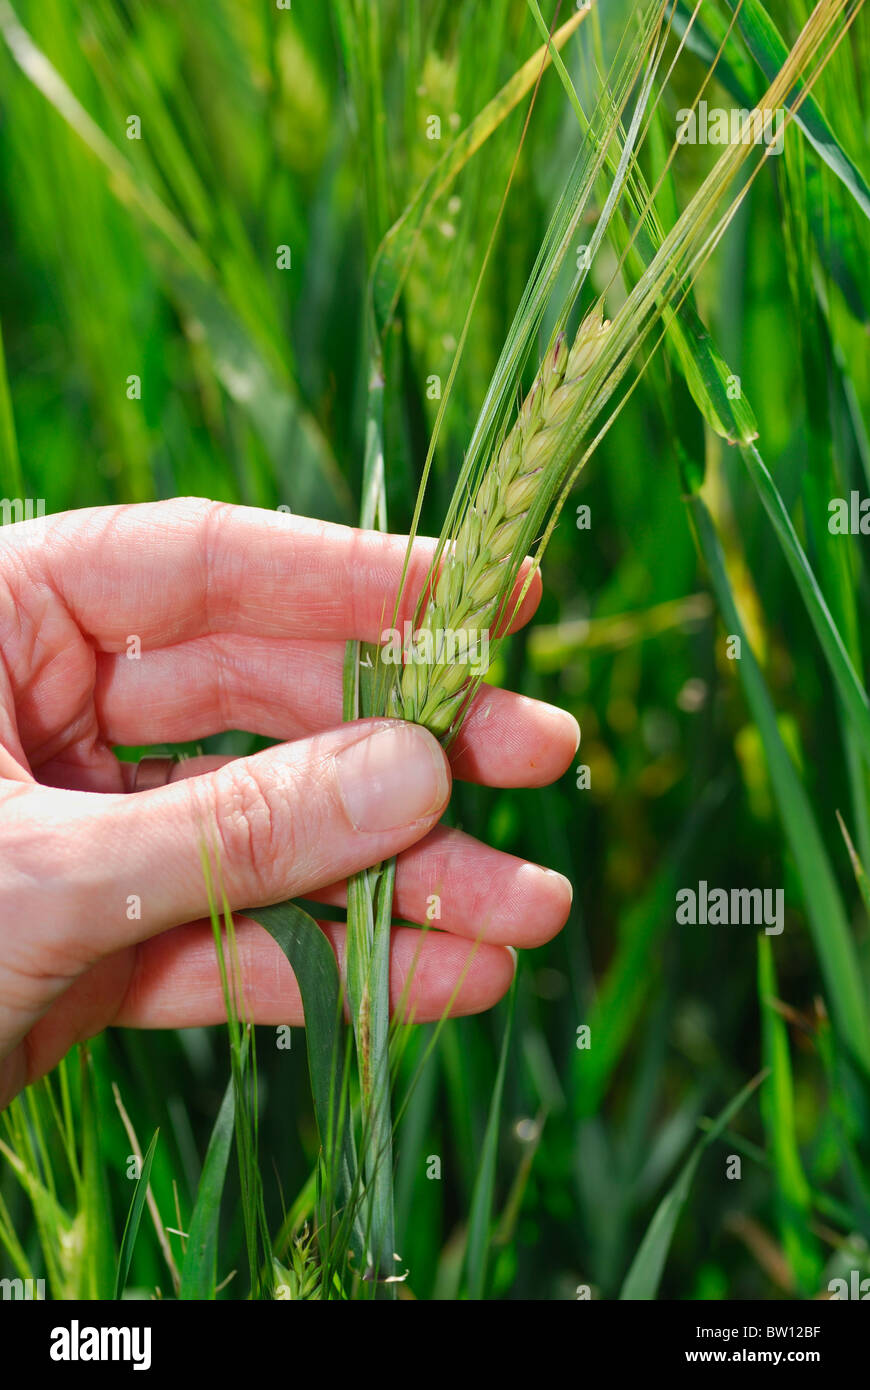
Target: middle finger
point(290, 689)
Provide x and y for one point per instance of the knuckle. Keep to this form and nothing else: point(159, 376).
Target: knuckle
point(211, 520)
point(254, 831)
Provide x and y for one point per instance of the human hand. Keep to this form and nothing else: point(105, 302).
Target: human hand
point(242, 616)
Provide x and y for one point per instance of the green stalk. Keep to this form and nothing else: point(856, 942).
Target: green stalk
point(370, 893)
point(369, 915)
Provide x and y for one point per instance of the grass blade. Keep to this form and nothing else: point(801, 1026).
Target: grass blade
point(313, 963)
point(480, 1219)
point(829, 925)
point(857, 866)
point(831, 225)
point(134, 1217)
point(843, 671)
point(647, 1267)
point(98, 1265)
point(793, 1196)
point(397, 249)
point(199, 1271)
point(770, 50)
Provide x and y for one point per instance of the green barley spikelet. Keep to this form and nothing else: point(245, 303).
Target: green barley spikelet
point(474, 578)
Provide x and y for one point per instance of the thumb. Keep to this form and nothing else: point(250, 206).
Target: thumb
point(280, 823)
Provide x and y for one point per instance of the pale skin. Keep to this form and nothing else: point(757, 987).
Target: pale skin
point(242, 616)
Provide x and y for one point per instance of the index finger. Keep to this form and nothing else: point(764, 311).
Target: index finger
point(189, 567)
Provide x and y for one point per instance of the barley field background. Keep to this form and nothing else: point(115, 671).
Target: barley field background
point(192, 201)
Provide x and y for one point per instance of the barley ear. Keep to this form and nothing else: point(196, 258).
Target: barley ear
point(477, 575)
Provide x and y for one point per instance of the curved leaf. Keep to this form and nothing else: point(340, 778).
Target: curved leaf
point(199, 1271)
point(134, 1216)
point(313, 963)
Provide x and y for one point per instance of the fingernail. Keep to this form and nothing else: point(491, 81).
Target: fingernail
point(567, 882)
point(567, 720)
point(554, 873)
point(394, 777)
